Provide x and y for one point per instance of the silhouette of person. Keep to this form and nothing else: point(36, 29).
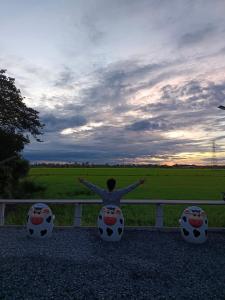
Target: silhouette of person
point(110, 196)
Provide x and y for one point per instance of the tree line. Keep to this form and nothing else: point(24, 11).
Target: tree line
point(18, 123)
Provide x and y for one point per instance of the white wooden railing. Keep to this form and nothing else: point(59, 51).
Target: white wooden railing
point(79, 202)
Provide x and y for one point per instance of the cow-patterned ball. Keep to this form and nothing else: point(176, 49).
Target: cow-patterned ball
point(110, 223)
point(194, 225)
point(40, 221)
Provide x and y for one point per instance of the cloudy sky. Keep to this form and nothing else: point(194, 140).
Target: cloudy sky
point(128, 81)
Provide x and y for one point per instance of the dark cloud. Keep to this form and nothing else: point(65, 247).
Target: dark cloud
point(196, 36)
point(222, 137)
point(180, 106)
point(192, 87)
point(66, 155)
point(104, 152)
point(189, 105)
point(53, 123)
point(92, 30)
point(150, 124)
point(222, 50)
point(66, 78)
point(191, 97)
point(116, 83)
point(112, 87)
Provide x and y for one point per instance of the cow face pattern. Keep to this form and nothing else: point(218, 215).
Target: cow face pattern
point(110, 223)
point(40, 221)
point(194, 225)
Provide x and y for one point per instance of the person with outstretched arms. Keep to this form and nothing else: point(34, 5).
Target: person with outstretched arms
point(111, 196)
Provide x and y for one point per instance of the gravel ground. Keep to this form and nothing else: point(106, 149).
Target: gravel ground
point(76, 264)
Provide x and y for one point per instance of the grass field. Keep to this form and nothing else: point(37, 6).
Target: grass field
point(62, 183)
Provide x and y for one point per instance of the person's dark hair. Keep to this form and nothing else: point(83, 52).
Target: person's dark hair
point(111, 183)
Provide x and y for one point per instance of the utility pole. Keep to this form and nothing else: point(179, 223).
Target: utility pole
point(214, 162)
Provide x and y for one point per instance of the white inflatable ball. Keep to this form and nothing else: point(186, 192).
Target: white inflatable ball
point(194, 225)
point(110, 223)
point(40, 221)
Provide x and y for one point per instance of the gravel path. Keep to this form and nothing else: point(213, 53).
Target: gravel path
point(76, 264)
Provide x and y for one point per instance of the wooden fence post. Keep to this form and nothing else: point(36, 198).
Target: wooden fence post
point(159, 216)
point(2, 214)
point(77, 215)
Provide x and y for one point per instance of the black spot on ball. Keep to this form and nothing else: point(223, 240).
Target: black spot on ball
point(196, 233)
point(31, 231)
point(206, 232)
point(186, 233)
point(120, 230)
point(109, 231)
point(43, 232)
point(100, 230)
point(184, 219)
point(100, 217)
point(121, 221)
point(49, 219)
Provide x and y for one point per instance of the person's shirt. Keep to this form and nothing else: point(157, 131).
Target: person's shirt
point(110, 197)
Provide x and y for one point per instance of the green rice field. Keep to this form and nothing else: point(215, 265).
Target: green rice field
point(62, 183)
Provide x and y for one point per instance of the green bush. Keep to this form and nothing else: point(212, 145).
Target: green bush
point(27, 189)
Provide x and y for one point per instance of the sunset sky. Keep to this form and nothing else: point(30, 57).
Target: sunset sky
point(120, 81)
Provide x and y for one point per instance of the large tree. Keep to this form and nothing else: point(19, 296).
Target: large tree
point(17, 124)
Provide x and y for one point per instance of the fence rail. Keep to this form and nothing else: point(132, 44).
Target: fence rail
point(79, 202)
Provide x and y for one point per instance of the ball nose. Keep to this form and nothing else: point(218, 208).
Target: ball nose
point(196, 222)
point(109, 220)
point(36, 220)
